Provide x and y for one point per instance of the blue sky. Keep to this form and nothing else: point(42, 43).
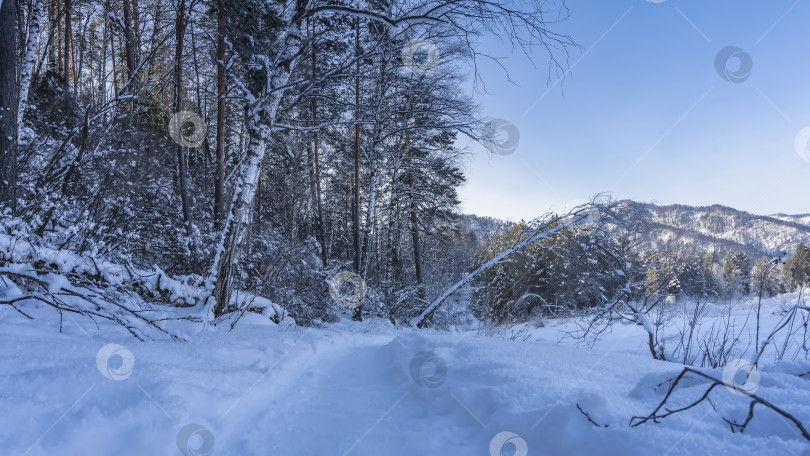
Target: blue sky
point(645, 115)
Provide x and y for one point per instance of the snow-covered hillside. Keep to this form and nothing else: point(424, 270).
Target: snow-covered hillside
point(367, 389)
point(724, 228)
point(803, 219)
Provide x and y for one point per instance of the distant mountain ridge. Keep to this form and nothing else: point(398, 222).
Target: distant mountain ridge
point(724, 228)
point(803, 219)
point(714, 227)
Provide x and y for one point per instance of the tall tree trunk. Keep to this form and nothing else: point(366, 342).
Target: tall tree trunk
point(319, 200)
point(8, 104)
point(129, 42)
point(136, 33)
point(372, 201)
point(219, 177)
point(349, 206)
point(358, 315)
point(236, 226)
point(180, 26)
point(312, 187)
point(358, 311)
point(394, 233)
point(30, 57)
point(232, 241)
point(54, 61)
point(198, 87)
point(356, 189)
point(316, 166)
point(417, 248)
point(68, 41)
point(112, 55)
point(157, 16)
point(73, 68)
point(102, 62)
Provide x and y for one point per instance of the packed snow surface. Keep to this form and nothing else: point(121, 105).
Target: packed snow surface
point(364, 389)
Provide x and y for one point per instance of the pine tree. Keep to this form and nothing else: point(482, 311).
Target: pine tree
point(767, 277)
point(797, 267)
point(737, 271)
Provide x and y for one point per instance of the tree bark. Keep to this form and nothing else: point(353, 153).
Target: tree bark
point(73, 67)
point(358, 311)
point(136, 33)
point(219, 177)
point(8, 104)
point(68, 34)
point(112, 55)
point(27, 71)
point(356, 189)
point(394, 233)
point(316, 164)
point(236, 225)
point(372, 202)
point(417, 247)
point(54, 61)
point(180, 26)
point(129, 42)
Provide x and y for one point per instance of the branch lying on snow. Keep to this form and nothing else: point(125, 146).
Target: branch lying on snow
point(657, 415)
point(89, 270)
point(54, 291)
point(590, 420)
point(96, 288)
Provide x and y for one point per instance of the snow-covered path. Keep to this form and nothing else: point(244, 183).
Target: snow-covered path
point(352, 389)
